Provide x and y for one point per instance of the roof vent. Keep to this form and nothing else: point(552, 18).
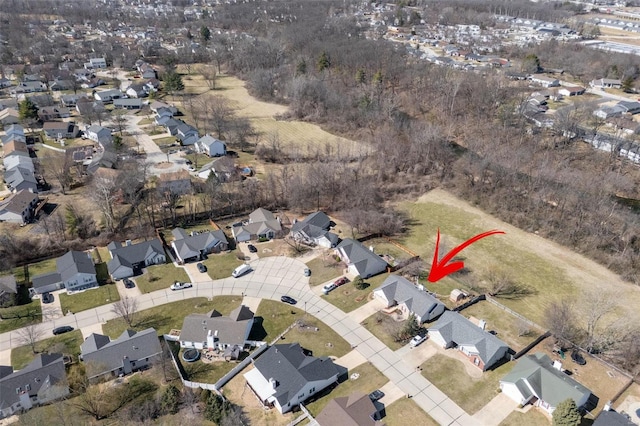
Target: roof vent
point(557, 365)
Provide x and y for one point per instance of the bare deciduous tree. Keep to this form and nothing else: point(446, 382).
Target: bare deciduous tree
point(127, 308)
point(30, 335)
point(598, 304)
point(561, 320)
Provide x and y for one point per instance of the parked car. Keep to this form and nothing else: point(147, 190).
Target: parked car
point(47, 297)
point(201, 268)
point(341, 281)
point(376, 395)
point(328, 288)
point(307, 272)
point(128, 283)
point(417, 340)
point(289, 300)
point(63, 329)
point(252, 248)
point(179, 286)
point(240, 270)
point(577, 358)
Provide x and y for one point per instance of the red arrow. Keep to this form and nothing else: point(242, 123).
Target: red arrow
point(440, 269)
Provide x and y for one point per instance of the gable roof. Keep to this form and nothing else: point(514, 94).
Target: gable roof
point(261, 215)
point(18, 202)
point(107, 355)
point(229, 330)
point(288, 365)
point(189, 246)
point(130, 255)
point(74, 262)
point(453, 327)
point(535, 373)
point(208, 140)
point(356, 409)
point(401, 290)
point(8, 284)
point(366, 262)
point(612, 418)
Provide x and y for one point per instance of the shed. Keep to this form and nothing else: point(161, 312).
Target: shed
point(456, 295)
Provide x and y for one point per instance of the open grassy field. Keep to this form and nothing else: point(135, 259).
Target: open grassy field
point(160, 277)
point(406, 412)
point(170, 316)
point(68, 344)
point(533, 417)
point(348, 298)
point(369, 380)
point(89, 299)
point(470, 393)
point(221, 265)
point(552, 272)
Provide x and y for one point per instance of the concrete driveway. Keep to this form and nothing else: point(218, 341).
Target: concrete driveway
point(351, 360)
point(194, 275)
point(53, 310)
point(366, 310)
point(418, 355)
point(131, 292)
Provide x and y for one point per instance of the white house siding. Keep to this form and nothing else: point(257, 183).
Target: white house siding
point(122, 272)
point(81, 282)
point(511, 390)
point(437, 338)
point(304, 393)
point(7, 216)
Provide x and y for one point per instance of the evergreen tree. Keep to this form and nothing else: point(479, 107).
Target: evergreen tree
point(173, 82)
point(627, 85)
point(205, 33)
point(361, 76)
point(531, 63)
point(28, 110)
point(323, 61)
point(171, 400)
point(566, 414)
point(359, 283)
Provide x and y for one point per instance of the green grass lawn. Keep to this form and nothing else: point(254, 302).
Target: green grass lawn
point(275, 317)
point(406, 412)
point(44, 267)
point(324, 342)
point(222, 265)
point(145, 121)
point(164, 141)
point(533, 417)
point(104, 254)
point(89, 299)
point(19, 316)
point(469, 393)
point(169, 316)
point(370, 379)
point(68, 343)
point(324, 268)
point(160, 277)
point(547, 281)
point(383, 329)
point(506, 325)
point(348, 298)
point(198, 159)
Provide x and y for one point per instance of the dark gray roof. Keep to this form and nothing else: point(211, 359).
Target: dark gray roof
point(74, 262)
point(44, 280)
point(453, 327)
point(319, 219)
point(292, 369)
point(230, 330)
point(612, 418)
point(365, 261)
point(547, 383)
point(19, 175)
point(44, 371)
point(418, 301)
point(128, 102)
point(261, 215)
point(133, 254)
point(106, 357)
point(18, 202)
point(8, 284)
point(191, 246)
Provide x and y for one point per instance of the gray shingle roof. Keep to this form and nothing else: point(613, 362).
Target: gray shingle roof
point(190, 246)
point(292, 369)
point(548, 384)
point(44, 280)
point(230, 330)
point(453, 327)
point(133, 254)
point(365, 261)
point(356, 409)
point(418, 301)
point(74, 262)
point(106, 357)
point(261, 215)
point(8, 284)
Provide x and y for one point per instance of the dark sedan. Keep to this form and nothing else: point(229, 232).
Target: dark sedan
point(289, 300)
point(252, 248)
point(128, 283)
point(62, 330)
point(202, 268)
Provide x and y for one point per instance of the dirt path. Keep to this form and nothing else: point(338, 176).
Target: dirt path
point(583, 272)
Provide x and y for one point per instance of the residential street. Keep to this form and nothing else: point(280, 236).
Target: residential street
point(273, 277)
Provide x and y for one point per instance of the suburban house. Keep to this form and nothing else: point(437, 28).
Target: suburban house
point(129, 260)
point(187, 134)
point(178, 183)
point(313, 230)
point(53, 113)
point(194, 246)
point(606, 83)
point(137, 90)
point(481, 347)
point(95, 63)
point(20, 179)
point(70, 100)
point(8, 288)
point(215, 331)
point(9, 116)
point(157, 106)
point(15, 145)
point(609, 417)
point(356, 409)
point(545, 81)
point(630, 107)
point(360, 260)
point(15, 131)
point(608, 111)
point(17, 158)
point(28, 87)
point(398, 292)
point(284, 376)
point(130, 352)
point(75, 271)
point(19, 207)
point(537, 380)
point(43, 381)
point(108, 96)
point(571, 91)
point(60, 129)
point(211, 146)
point(98, 134)
point(262, 225)
point(223, 168)
point(127, 103)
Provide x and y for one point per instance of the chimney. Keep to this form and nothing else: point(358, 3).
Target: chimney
point(607, 406)
point(209, 333)
point(273, 382)
point(127, 242)
point(215, 333)
point(482, 324)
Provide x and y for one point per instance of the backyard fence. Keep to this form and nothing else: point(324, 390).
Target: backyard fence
point(532, 344)
point(235, 370)
point(471, 302)
point(512, 312)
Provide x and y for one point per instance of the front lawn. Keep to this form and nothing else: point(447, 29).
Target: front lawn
point(369, 379)
point(19, 316)
point(273, 318)
point(323, 342)
point(533, 417)
point(384, 326)
point(68, 344)
point(222, 265)
point(471, 394)
point(406, 412)
point(161, 142)
point(160, 277)
point(348, 298)
point(88, 299)
point(171, 315)
point(324, 268)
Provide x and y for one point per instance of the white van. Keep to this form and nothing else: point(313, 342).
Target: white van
point(240, 270)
